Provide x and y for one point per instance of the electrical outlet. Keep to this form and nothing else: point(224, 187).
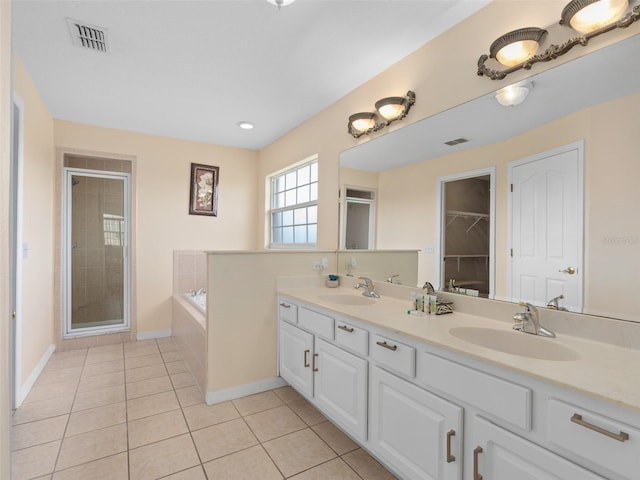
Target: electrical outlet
point(317, 266)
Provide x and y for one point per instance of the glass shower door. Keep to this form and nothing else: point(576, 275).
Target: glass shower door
point(96, 242)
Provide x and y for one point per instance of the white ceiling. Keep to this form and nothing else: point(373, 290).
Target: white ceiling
point(193, 69)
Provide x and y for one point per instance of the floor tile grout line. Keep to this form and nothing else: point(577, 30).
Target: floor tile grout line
point(75, 394)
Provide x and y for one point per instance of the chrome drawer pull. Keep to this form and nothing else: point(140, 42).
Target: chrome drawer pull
point(450, 458)
point(285, 305)
point(345, 328)
point(621, 437)
point(314, 368)
point(476, 453)
point(386, 345)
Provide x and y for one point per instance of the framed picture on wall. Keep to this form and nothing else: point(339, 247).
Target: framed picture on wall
point(203, 195)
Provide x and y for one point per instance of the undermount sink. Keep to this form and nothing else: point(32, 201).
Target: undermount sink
point(516, 343)
point(346, 299)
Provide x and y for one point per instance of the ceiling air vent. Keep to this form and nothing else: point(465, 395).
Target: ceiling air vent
point(88, 37)
point(457, 141)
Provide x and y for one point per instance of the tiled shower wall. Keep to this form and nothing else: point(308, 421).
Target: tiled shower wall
point(189, 270)
point(97, 268)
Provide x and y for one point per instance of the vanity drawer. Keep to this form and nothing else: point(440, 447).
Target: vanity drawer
point(394, 355)
point(316, 322)
point(594, 437)
point(287, 311)
point(502, 399)
point(353, 338)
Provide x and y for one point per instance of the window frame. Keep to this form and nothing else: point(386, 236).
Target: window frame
point(272, 209)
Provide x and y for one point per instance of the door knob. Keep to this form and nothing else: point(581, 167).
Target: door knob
point(569, 270)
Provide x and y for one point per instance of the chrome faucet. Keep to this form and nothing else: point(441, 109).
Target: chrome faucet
point(390, 279)
point(528, 322)
point(553, 304)
point(201, 291)
point(368, 287)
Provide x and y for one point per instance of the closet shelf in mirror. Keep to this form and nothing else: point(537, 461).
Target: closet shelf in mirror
point(458, 257)
point(476, 217)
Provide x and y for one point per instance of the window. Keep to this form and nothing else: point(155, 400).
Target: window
point(294, 206)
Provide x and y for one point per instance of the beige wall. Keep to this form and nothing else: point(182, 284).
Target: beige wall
point(5, 162)
point(242, 311)
point(37, 224)
point(611, 206)
point(442, 73)
point(162, 169)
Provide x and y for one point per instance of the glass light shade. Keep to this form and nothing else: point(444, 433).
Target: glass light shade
point(517, 52)
point(361, 122)
point(512, 95)
point(391, 108)
point(595, 15)
point(517, 46)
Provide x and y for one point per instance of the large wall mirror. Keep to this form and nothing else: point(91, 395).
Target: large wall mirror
point(590, 106)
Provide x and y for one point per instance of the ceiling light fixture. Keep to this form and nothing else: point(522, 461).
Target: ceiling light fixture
point(388, 110)
point(513, 95)
point(246, 125)
point(281, 3)
point(518, 49)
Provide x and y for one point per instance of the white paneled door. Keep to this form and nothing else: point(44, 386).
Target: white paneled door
point(546, 227)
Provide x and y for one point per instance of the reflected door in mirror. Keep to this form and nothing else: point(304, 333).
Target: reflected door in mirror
point(546, 227)
point(359, 220)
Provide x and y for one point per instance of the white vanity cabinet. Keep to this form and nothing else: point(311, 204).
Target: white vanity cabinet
point(335, 380)
point(296, 353)
point(340, 387)
point(428, 413)
point(416, 432)
point(501, 455)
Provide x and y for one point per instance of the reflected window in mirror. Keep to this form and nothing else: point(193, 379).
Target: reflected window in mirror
point(293, 209)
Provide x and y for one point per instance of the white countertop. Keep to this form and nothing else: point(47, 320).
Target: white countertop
point(605, 371)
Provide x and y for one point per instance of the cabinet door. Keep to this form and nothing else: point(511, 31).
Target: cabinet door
point(500, 455)
point(296, 352)
point(415, 432)
point(340, 387)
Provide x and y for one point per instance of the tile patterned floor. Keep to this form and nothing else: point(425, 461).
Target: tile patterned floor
point(133, 411)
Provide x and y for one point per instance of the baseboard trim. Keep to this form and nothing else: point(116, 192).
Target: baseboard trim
point(153, 334)
point(217, 396)
point(28, 385)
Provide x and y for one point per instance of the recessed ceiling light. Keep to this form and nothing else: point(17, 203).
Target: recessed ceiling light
point(246, 125)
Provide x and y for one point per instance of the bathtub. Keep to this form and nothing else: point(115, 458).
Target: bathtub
point(199, 301)
point(189, 330)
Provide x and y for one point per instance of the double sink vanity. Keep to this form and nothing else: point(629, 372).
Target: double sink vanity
point(461, 396)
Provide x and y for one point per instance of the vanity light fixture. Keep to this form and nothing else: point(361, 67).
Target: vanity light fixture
point(513, 95)
point(515, 47)
point(388, 109)
point(586, 16)
point(518, 49)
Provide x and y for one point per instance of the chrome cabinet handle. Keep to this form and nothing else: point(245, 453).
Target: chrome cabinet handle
point(345, 328)
point(621, 437)
point(387, 346)
point(285, 305)
point(314, 368)
point(476, 454)
point(450, 458)
point(306, 358)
